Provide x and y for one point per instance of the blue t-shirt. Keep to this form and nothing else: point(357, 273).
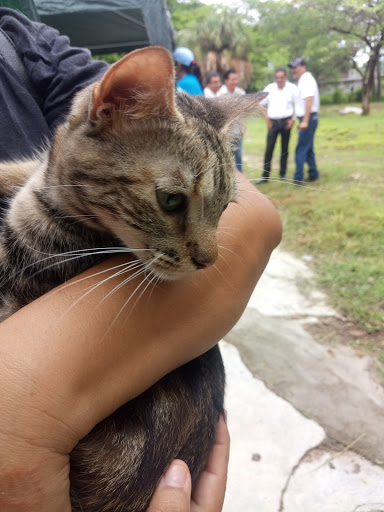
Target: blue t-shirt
point(190, 84)
point(56, 71)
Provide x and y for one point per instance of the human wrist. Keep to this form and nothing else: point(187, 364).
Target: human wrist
point(32, 478)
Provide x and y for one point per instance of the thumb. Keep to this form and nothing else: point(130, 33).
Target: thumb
point(173, 493)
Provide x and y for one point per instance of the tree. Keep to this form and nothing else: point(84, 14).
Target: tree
point(361, 21)
point(187, 13)
point(285, 29)
point(220, 41)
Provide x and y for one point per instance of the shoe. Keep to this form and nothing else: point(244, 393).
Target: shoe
point(298, 182)
point(309, 179)
point(261, 180)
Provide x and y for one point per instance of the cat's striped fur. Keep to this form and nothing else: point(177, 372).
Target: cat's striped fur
point(128, 140)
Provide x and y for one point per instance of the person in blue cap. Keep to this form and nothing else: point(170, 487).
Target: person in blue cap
point(188, 74)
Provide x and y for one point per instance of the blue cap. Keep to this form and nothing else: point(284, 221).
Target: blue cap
point(184, 56)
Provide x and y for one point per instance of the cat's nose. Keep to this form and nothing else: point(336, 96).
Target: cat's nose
point(200, 264)
point(204, 255)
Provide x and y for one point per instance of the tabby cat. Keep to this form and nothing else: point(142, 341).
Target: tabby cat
point(134, 165)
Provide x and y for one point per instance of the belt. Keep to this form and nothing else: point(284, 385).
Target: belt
point(312, 114)
point(281, 118)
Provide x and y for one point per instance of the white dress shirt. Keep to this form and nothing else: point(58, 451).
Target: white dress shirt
point(208, 93)
point(280, 102)
point(223, 91)
point(307, 87)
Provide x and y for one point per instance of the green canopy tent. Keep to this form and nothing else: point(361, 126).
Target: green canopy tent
point(104, 27)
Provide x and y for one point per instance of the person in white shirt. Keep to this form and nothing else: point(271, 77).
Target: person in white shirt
point(307, 108)
point(212, 84)
point(230, 86)
point(280, 104)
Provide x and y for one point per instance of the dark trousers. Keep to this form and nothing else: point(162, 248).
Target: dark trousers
point(304, 150)
point(278, 126)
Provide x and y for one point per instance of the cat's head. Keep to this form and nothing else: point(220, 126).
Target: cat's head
point(154, 168)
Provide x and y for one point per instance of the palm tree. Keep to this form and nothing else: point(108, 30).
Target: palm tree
point(220, 41)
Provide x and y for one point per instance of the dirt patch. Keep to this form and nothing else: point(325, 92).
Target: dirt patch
point(333, 331)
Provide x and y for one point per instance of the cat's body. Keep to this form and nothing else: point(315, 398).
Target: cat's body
point(129, 168)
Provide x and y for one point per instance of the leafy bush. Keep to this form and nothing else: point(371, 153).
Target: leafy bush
point(110, 58)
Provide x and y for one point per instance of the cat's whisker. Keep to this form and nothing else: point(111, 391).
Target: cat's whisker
point(224, 232)
point(225, 261)
point(289, 182)
point(67, 185)
point(139, 264)
point(94, 287)
point(78, 217)
point(159, 278)
point(226, 249)
point(228, 227)
point(132, 294)
point(133, 263)
point(66, 260)
point(90, 250)
point(155, 278)
point(223, 276)
point(86, 252)
point(256, 191)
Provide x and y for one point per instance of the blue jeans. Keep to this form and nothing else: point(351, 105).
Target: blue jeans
point(239, 154)
point(304, 150)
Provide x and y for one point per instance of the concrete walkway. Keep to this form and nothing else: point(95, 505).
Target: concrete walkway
point(306, 420)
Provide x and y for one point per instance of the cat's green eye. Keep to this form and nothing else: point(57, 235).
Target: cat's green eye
point(170, 202)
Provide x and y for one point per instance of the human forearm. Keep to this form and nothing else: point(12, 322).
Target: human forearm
point(95, 368)
point(64, 367)
point(308, 107)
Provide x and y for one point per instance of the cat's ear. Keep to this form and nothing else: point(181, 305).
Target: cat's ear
point(141, 84)
point(231, 109)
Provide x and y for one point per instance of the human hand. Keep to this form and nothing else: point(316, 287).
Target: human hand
point(173, 494)
point(269, 124)
point(303, 125)
point(289, 124)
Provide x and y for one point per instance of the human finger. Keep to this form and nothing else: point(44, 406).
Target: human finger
point(173, 493)
point(208, 495)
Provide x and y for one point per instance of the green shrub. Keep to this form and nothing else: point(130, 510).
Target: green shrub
point(110, 58)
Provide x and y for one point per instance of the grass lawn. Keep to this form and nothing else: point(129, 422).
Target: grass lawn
point(338, 220)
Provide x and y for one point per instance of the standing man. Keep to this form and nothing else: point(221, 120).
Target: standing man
point(230, 86)
point(212, 84)
point(307, 108)
point(280, 104)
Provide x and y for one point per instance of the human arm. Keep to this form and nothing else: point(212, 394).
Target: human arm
point(65, 368)
point(51, 64)
point(308, 105)
point(268, 121)
point(290, 123)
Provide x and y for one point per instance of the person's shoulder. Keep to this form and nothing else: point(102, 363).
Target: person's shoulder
point(191, 85)
point(270, 87)
point(291, 87)
point(208, 93)
point(308, 77)
point(222, 91)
